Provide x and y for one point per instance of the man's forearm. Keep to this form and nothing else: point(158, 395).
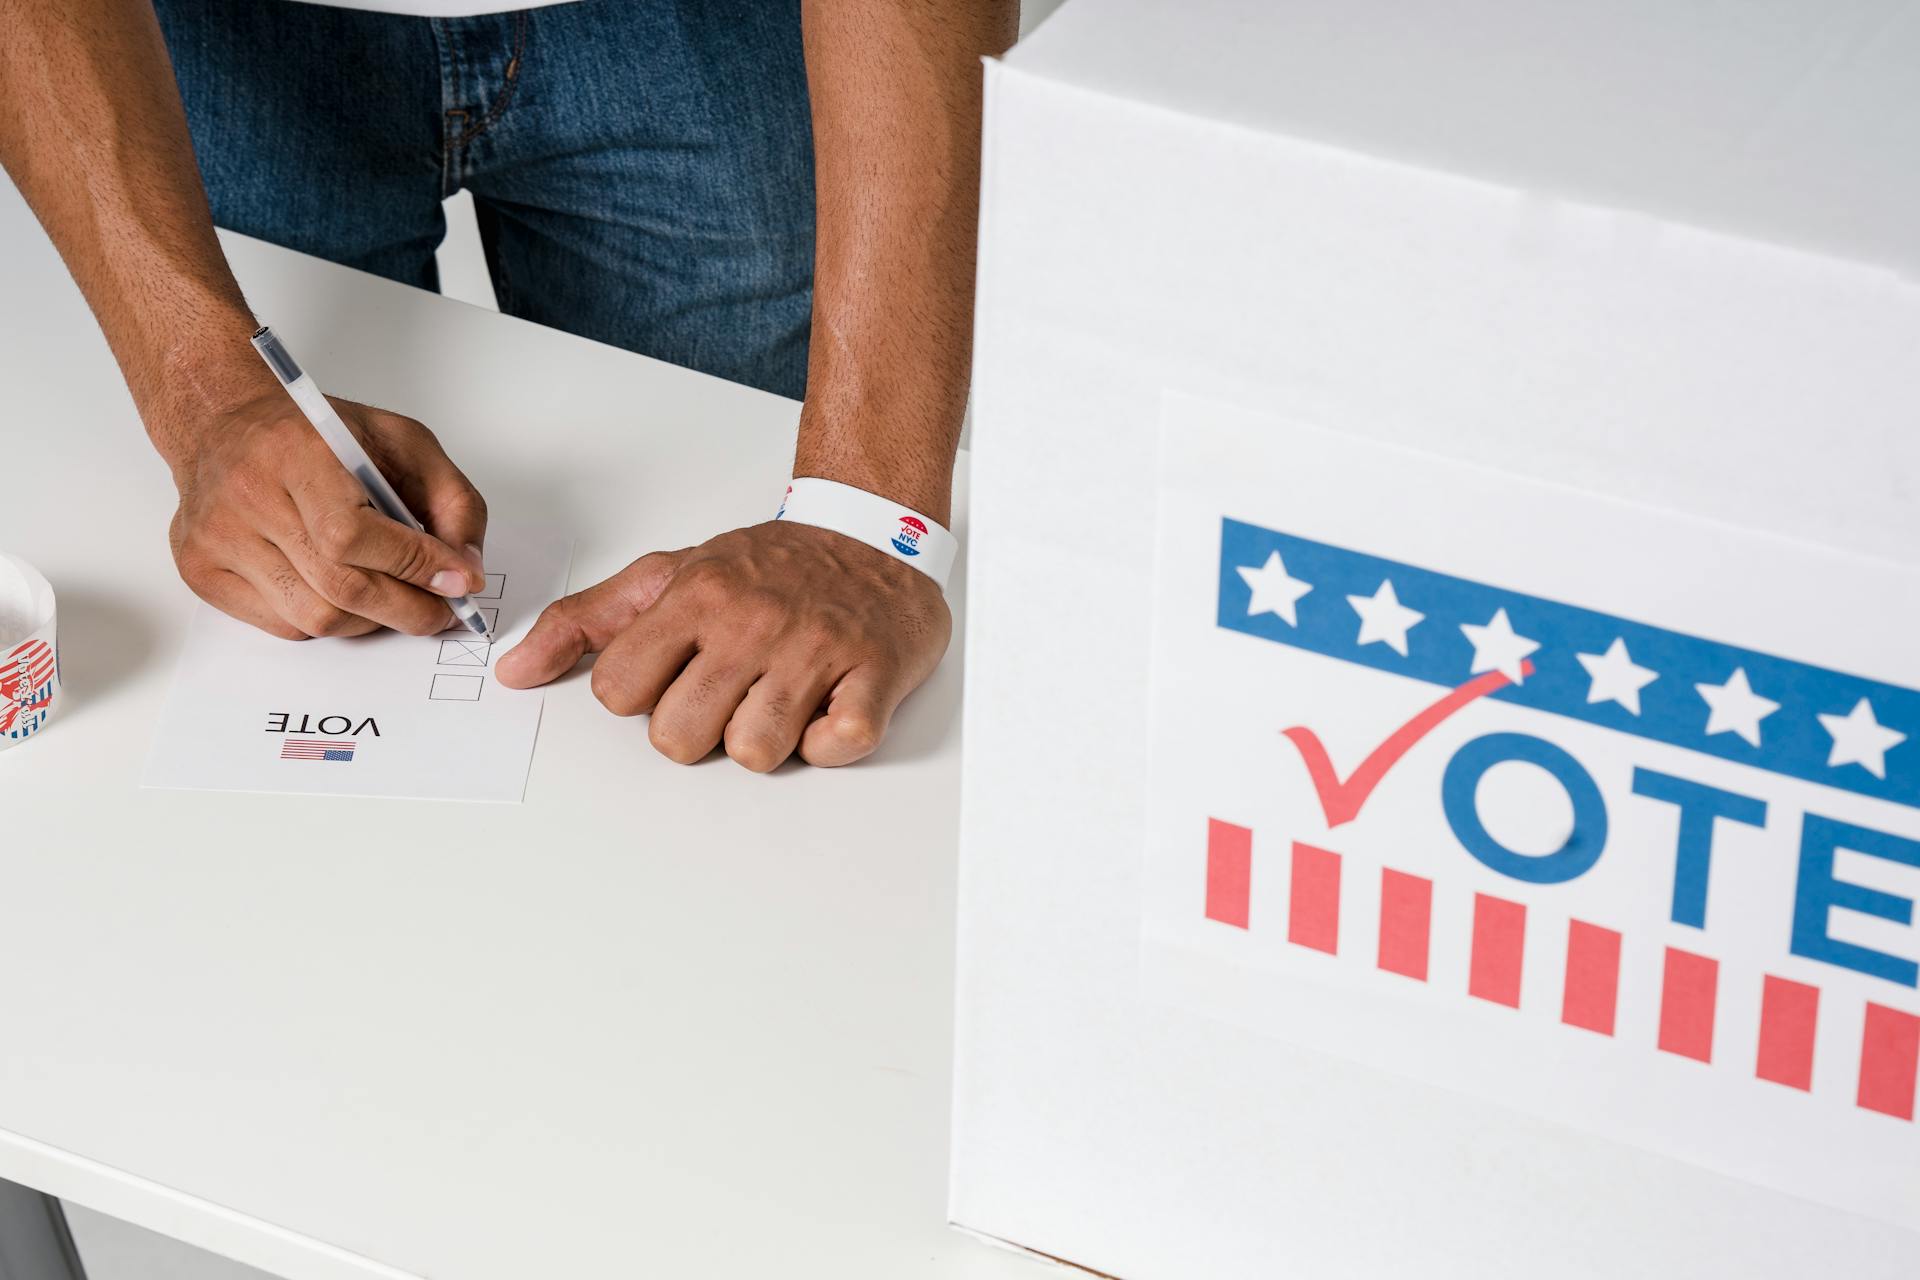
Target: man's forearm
point(896, 90)
point(92, 132)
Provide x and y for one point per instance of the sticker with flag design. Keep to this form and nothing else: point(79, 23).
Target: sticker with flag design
point(28, 678)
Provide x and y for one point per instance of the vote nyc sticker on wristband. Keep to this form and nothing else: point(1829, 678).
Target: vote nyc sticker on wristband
point(29, 653)
point(884, 525)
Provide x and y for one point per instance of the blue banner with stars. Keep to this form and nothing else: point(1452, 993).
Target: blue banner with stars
point(1702, 695)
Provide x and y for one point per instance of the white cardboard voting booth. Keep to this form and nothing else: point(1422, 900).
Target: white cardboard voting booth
point(1442, 788)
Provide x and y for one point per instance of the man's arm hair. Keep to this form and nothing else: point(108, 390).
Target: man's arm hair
point(93, 134)
point(896, 89)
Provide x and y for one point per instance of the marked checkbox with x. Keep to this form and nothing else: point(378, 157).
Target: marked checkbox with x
point(462, 652)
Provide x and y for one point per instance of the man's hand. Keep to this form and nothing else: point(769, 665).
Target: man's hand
point(768, 638)
point(273, 530)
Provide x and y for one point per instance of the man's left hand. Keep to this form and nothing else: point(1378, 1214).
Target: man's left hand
point(770, 638)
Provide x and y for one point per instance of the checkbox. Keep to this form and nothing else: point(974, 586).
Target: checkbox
point(465, 652)
point(448, 688)
point(491, 615)
point(496, 583)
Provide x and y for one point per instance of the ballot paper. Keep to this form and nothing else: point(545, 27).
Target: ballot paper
point(379, 715)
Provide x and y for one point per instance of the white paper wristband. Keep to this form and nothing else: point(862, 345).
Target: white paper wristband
point(884, 525)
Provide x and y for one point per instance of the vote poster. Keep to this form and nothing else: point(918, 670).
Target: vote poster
point(1599, 811)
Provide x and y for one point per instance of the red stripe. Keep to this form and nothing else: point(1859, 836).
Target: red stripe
point(1229, 872)
point(39, 659)
point(1687, 992)
point(1889, 1061)
point(1313, 907)
point(1406, 920)
point(1592, 991)
point(1499, 936)
point(1789, 1011)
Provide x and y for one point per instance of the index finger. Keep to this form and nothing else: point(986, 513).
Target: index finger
point(346, 529)
point(585, 622)
point(446, 501)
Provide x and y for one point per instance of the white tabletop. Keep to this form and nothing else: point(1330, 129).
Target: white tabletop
point(656, 1020)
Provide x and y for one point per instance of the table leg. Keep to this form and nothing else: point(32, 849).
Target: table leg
point(34, 1241)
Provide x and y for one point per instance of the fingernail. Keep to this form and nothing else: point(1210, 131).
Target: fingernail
point(448, 583)
point(473, 557)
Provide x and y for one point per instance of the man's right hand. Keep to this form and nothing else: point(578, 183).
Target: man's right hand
point(271, 529)
point(274, 531)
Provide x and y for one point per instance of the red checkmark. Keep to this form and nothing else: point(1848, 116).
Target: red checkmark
point(1342, 801)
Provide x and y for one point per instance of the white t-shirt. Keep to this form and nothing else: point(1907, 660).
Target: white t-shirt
point(439, 8)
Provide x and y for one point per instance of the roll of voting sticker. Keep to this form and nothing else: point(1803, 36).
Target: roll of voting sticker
point(29, 656)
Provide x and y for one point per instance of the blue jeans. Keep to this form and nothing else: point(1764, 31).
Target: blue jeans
point(642, 169)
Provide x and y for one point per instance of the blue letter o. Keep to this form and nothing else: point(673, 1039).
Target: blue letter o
point(1461, 783)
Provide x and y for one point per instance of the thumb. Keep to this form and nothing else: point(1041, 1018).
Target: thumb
point(585, 622)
